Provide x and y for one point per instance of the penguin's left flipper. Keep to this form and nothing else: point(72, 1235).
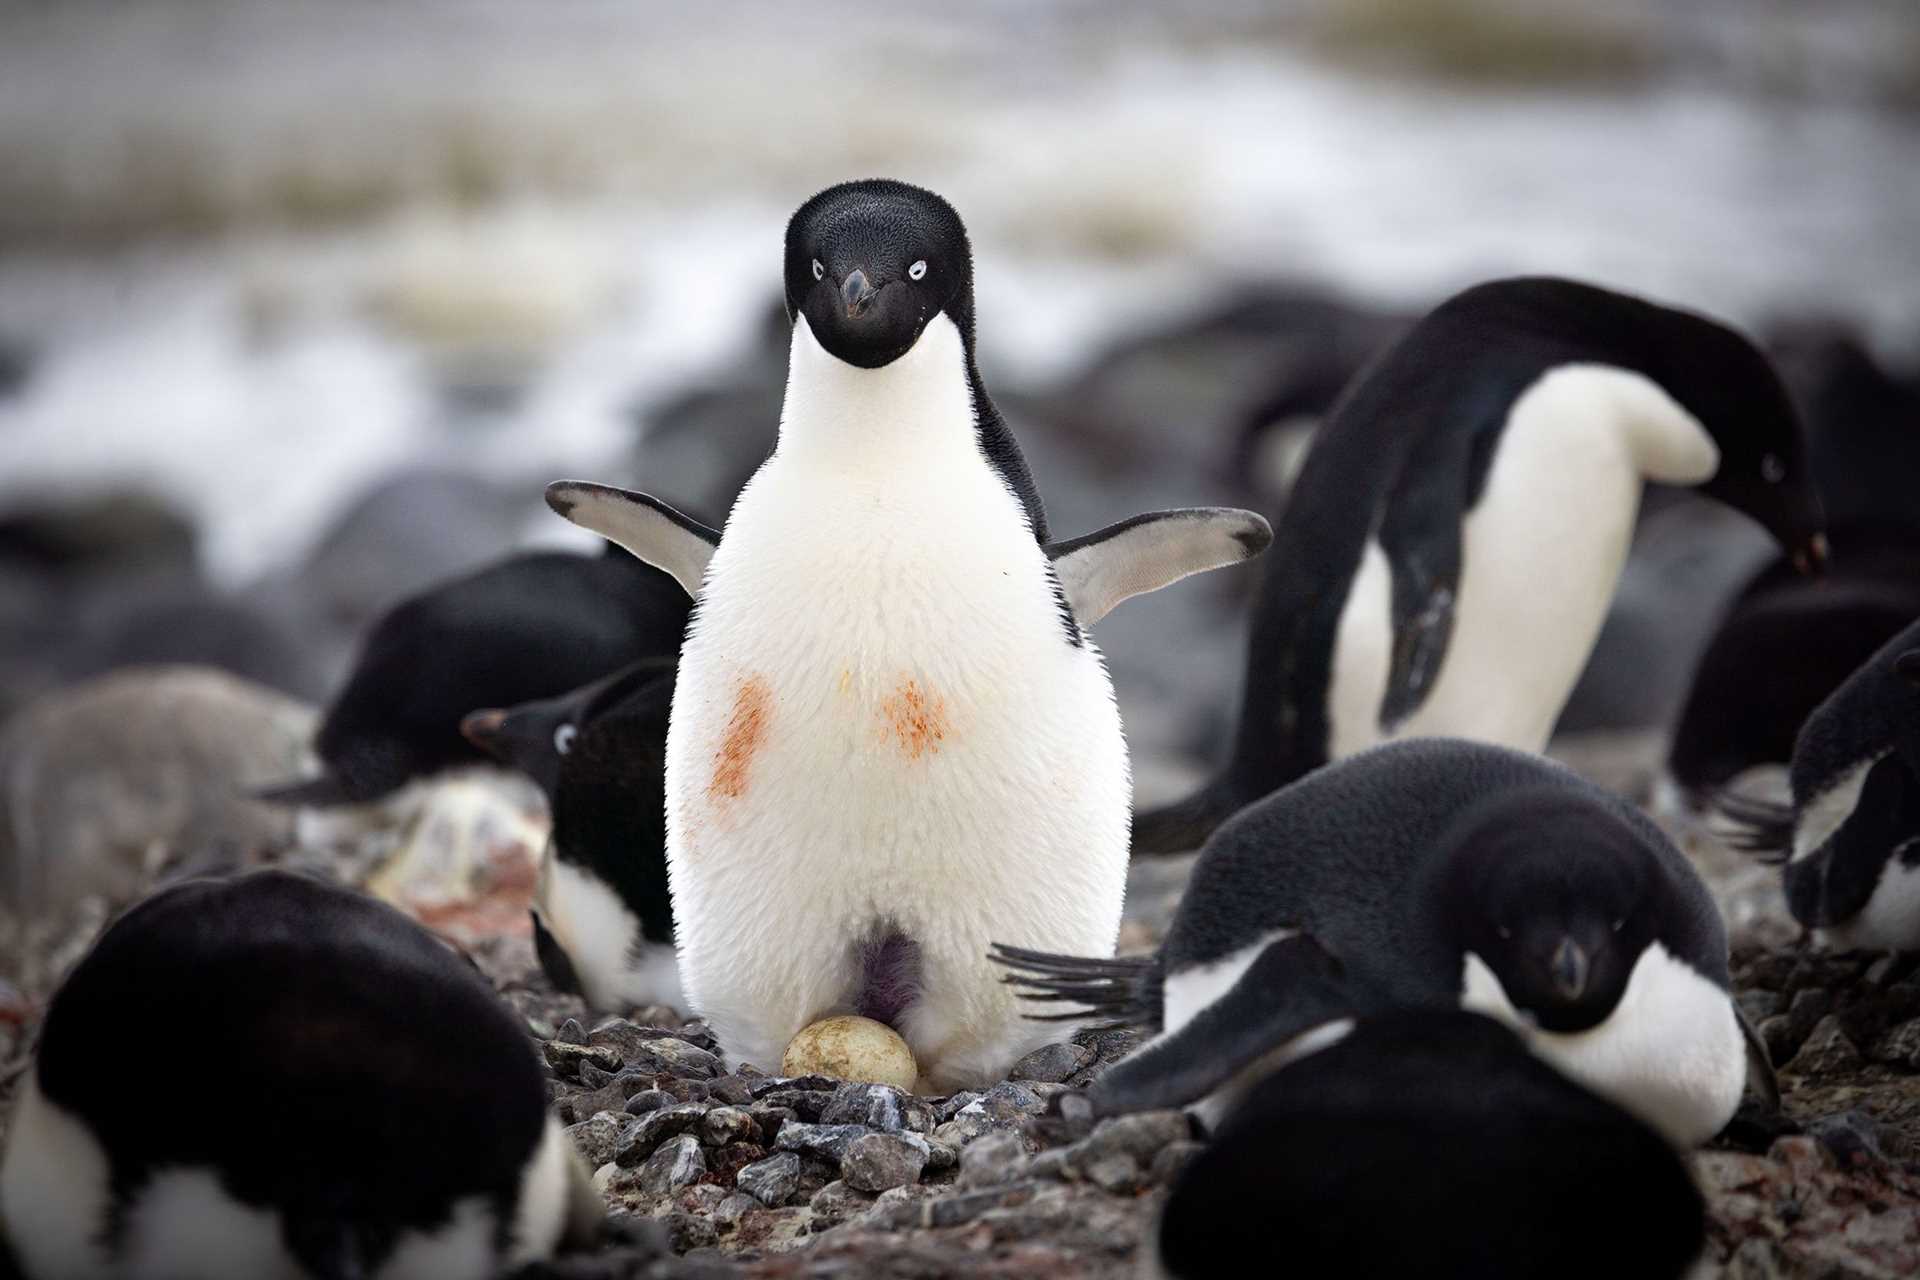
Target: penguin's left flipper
point(654, 532)
point(1150, 551)
point(1761, 1081)
point(1294, 987)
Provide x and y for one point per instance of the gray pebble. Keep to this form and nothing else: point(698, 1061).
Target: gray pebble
point(828, 1141)
point(771, 1181)
point(571, 1032)
point(993, 1160)
point(1826, 1052)
point(596, 1138)
point(677, 1163)
point(648, 1100)
point(771, 1119)
point(1901, 1046)
point(947, 1110)
point(673, 1057)
point(649, 1131)
point(836, 1202)
point(565, 1059)
point(1140, 1137)
point(767, 1084)
point(1052, 1063)
point(877, 1106)
point(882, 1161)
point(1172, 1161)
point(731, 1090)
point(1118, 1173)
point(735, 1207)
point(724, 1126)
point(575, 1107)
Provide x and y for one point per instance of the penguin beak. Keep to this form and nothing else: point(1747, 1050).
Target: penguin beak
point(482, 728)
point(857, 292)
point(1810, 557)
point(1569, 969)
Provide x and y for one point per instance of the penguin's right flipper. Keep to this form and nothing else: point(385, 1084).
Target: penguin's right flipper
point(1147, 552)
point(654, 532)
point(1292, 988)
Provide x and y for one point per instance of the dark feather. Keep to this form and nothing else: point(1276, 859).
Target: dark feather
point(1763, 828)
point(1121, 992)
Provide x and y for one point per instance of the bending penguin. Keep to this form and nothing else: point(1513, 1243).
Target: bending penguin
point(356, 1102)
point(1851, 840)
point(1449, 550)
point(530, 626)
point(1432, 873)
point(888, 711)
point(1489, 1164)
point(602, 921)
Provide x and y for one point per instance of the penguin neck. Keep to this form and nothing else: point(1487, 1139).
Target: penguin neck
point(917, 412)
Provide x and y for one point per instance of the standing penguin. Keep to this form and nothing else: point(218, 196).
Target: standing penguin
point(1434, 872)
point(1851, 841)
point(892, 741)
point(530, 626)
point(1486, 1163)
point(1453, 540)
point(331, 1092)
point(602, 923)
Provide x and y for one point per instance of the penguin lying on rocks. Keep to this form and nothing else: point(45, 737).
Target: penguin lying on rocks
point(1453, 541)
point(325, 1090)
point(531, 626)
point(1430, 1143)
point(1429, 873)
point(602, 922)
point(1850, 841)
point(888, 711)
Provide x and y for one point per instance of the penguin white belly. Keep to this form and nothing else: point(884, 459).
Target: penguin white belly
point(1891, 919)
point(1541, 554)
point(613, 960)
point(880, 730)
point(1671, 1051)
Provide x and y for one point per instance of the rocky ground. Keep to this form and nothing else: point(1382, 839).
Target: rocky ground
point(710, 1172)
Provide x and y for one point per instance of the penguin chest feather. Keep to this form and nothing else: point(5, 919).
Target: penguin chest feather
point(881, 725)
point(1540, 555)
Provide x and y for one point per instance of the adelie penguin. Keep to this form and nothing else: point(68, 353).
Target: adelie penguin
point(1851, 839)
point(1453, 540)
point(1429, 1143)
point(602, 922)
point(532, 626)
point(892, 741)
point(1432, 873)
point(328, 1091)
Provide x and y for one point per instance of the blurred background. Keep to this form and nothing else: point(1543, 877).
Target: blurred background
point(301, 305)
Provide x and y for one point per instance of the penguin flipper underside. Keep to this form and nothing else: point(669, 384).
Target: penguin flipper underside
point(654, 532)
point(1147, 552)
point(1292, 988)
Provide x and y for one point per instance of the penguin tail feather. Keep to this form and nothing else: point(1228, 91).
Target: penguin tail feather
point(1763, 828)
point(1123, 992)
point(1184, 825)
point(316, 793)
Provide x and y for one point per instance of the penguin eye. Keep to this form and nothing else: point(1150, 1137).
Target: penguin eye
point(818, 270)
point(563, 738)
point(1772, 470)
point(917, 270)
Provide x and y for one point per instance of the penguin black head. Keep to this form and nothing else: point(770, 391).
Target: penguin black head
point(869, 264)
point(1557, 897)
point(539, 737)
point(1726, 382)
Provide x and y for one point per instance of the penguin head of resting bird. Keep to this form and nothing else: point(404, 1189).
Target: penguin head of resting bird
point(1557, 897)
point(870, 264)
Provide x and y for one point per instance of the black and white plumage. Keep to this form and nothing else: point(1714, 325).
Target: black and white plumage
point(1430, 1143)
point(1851, 839)
point(1456, 533)
point(888, 710)
point(356, 1102)
point(1786, 643)
point(532, 626)
point(602, 920)
point(1435, 872)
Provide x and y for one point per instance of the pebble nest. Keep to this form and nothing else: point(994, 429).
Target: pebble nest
point(714, 1173)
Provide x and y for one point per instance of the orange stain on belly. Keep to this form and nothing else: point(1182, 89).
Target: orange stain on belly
point(746, 732)
point(915, 719)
